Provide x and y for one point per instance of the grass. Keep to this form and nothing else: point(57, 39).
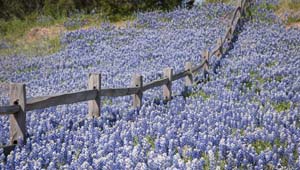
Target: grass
point(284, 6)
point(19, 35)
point(289, 4)
point(282, 106)
point(218, 1)
point(268, 6)
point(207, 162)
point(135, 141)
point(235, 131)
point(261, 146)
point(271, 64)
point(33, 37)
point(200, 93)
point(291, 7)
point(292, 19)
point(151, 141)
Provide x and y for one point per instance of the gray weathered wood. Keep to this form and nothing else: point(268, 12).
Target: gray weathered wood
point(214, 51)
point(155, 83)
point(137, 81)
point(94, 83)
point(229, 34)
point(233, 28)
point(17, 94)
point(60, 99)
point(197, 68)
point(117, 92)
point(206, 65)
point(234, 17)
point(205, 55)
point(242, 7)
point(9, 109)
point(220, 47)
point(180, 75)
point(188, 78)
point(167, 88)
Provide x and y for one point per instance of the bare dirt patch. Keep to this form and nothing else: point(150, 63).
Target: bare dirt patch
point(293, 25)
point(286, 15)
point(38, 33)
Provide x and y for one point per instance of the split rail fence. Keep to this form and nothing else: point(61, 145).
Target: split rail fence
point(19, 104)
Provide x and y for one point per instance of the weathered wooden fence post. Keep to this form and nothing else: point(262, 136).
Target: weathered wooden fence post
point(206, 64)
point(17, 94)
point(137, 81)
point(189, 78)
point(220, 47)
point(94, 82)
point(167, 88)
point(229, 38)
point(241, 5)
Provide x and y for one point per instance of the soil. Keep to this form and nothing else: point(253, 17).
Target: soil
point(38, 33)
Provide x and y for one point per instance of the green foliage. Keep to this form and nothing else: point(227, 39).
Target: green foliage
point(217, 1)
point(261, 146)
point(271, 64)
point(223, 164)
point(282, 106)
point(284, 161)
point(2, 79)
point(18, 17)
point(268, 6)
point(277, 143)
point(200, 93)
point(55, 45)
point(151, 141)
point(292, 19)
point(278, 78)
point(207, 162)
point(113, 9)
point(289, 4)
point(235, 131)
point(135, 141)
point(57, 8)
point(248, 84)
point(15, 27)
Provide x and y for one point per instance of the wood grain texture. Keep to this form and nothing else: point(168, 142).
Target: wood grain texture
point(117, 92)
point(60, 99)
point(4, 110)
point(228, 35)
point(17, 95)
point(137, 81)
point(94, 83)
point(155, 83)
point(220, 47)
point(180, 75)
point(189, 77)
point(167, 88)
point(234, 17)
point(205, 55)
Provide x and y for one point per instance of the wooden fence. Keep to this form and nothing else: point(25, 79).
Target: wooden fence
point(19, 104)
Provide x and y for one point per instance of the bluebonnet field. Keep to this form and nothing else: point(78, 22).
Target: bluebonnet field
point(246, 116)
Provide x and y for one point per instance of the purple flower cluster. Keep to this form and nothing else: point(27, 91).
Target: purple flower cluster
point(246, 116)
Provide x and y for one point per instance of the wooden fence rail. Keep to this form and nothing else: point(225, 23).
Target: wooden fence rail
point(19, 104)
